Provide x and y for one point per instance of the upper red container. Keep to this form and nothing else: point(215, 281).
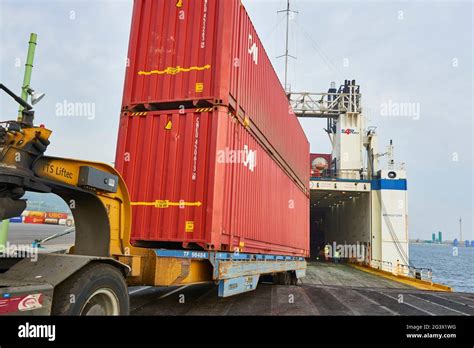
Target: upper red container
point(201, 179)
point(208, 50)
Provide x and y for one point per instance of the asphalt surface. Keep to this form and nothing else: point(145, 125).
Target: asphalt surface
point(327, 289)
point(369, 295)
point(25, 234)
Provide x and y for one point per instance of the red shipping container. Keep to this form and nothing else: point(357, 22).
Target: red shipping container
point(52, 215)
point(39, 214)
point(33, 220)
point(201, 179)
point(208, 50)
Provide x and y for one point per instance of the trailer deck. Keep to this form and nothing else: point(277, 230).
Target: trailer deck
point(239, 272)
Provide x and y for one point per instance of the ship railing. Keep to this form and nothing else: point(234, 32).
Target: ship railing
point(323, 174)
point(421, 273)
point(331, 174)
point(381, 265)
point(326, 105)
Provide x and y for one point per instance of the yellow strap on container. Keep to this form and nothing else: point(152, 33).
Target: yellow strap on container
point(174, 70)
point(162, 204)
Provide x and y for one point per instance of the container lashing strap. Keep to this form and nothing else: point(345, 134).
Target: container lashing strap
point(163, 204)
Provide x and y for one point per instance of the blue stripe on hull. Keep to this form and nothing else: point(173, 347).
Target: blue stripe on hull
point(385, 184)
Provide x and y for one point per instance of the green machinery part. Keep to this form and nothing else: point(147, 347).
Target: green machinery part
point(5, 224)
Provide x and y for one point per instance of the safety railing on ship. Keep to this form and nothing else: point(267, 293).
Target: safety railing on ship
point(381, 265)
point(330, 174)
point(421, 273)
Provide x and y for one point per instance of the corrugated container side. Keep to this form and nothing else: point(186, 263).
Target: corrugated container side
point(209, 50)
point(259, 94)
point(263, 209)
point(216, 185)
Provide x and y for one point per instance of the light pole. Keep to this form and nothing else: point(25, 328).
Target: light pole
point(5, 224)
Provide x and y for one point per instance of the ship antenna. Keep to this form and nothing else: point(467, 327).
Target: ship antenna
point(287, 54)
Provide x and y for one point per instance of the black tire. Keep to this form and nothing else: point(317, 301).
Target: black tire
point(287, 278)
point(294, 279)
point(97, 289)
point(283, 278)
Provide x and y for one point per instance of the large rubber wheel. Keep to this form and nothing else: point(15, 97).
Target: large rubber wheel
point(287, 278)
point(97, 289)
point(283, 278)
point(294, 279)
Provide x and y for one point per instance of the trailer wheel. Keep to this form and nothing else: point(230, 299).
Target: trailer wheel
point(287, 278)
point(294, 278)
point(283, 278)
point(97, 289)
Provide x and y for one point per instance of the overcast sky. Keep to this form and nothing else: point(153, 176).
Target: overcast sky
point(417, 52)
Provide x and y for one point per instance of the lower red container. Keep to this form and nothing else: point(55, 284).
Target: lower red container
point(33, 220)
point(202, 180)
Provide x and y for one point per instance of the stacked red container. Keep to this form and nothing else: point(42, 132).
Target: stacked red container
point(202, 63)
